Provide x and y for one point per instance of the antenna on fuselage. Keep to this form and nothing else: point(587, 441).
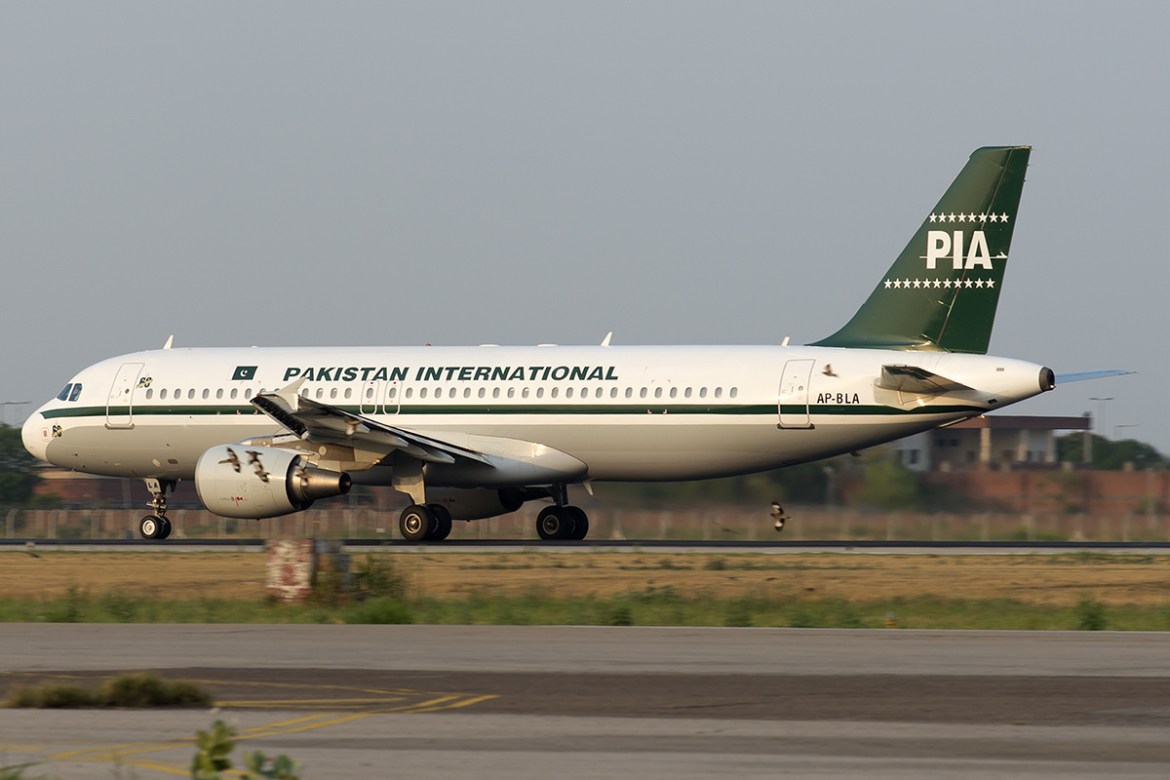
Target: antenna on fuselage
point(170, 341)
point(605, 341)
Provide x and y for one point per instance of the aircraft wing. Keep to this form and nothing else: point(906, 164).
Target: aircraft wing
point(912, 379)
point(315, 421)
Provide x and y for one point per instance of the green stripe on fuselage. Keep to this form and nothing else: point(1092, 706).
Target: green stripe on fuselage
point(746, 410)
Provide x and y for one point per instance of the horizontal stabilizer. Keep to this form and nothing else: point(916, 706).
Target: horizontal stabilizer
point(912, 379)
point(1081, 376)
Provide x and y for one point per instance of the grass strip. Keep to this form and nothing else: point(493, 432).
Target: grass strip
point(652, 606)
point(136, 691)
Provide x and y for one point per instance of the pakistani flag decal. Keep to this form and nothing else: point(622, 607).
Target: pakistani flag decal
point(244, 372)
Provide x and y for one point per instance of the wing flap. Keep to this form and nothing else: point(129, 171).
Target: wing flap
point(316, 421)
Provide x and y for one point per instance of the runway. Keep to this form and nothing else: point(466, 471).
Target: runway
point(508, 702)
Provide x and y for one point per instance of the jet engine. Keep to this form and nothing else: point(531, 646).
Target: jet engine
point(236, 480)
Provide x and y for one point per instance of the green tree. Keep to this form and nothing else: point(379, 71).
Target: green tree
point(886, 484)
point(18, 469)
point(1109, 455)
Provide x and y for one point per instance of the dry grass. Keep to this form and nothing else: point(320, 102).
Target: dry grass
point(1059, 580)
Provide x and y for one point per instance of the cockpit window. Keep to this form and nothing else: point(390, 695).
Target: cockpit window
point(73, 396)
point(64, 394)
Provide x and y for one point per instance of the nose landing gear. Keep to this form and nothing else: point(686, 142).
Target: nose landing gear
point(157, 526)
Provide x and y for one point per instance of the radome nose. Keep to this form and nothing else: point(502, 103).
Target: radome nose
point(33, 434)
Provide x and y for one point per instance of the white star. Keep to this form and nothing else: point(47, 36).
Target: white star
point(917, 284)
point(993, 218)
point(937, 283)
point(966, 282)
point(982, 217)
point(889, 284)
point(897, 284)
point(1003, 217)
point(933, 218)
point(952, 217)
point(979, 283)
point(991, 283)
point(947, 283)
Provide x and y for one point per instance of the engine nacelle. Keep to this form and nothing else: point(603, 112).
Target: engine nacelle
point(235, 480)
point(476, 503)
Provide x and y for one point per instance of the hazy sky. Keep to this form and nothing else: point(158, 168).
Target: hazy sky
point(282, 173)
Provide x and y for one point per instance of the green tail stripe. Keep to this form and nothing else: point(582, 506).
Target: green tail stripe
point(942, 291)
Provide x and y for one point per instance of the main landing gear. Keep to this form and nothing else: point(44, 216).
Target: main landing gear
point(156, 526)
point(425, 523)
point(562, 522)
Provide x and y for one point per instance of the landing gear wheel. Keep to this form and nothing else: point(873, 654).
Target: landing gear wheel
point(580, 522)
point(151, 527)
point(415, 523)
point(555, 522)
point(441, 523)
point(157, 526)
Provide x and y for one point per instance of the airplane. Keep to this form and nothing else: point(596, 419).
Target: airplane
point(475, 432)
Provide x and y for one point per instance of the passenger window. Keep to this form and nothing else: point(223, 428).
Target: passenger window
point(540, 392)
point(191, 394)
point(467, 392)
point(393, 392)
point(332, 393)
point(248, 393)
point(64, 394)
point(348, 393)
point(495, 392)
point(409, 392)
point(569, 392)
point(422, 392)
point(674, 392)
point(718, 392)
point(613, 392)
point(734, 392)
point(162, 394)
point(235, 393)
point(511, 392)
point(642, 393)
point(524, 393)
point(555, 392)
point(206, 394)
point(629, 392)
point(177, 394)
point(370, 393)
point(482, 392)
point(149, 394)
point(658, 392)
point(687, 393)
point(320, 393)
point(702, 392)
point(219, 394)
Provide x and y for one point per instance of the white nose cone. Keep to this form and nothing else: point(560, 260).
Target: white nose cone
point(35, 435)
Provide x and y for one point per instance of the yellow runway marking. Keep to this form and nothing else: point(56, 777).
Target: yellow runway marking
point(338, 711)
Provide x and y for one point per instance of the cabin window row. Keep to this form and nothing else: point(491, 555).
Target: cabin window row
point(335, 393)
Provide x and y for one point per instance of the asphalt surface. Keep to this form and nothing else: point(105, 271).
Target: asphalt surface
point(461, 702)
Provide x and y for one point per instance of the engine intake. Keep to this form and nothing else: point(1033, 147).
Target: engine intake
point(235, 480)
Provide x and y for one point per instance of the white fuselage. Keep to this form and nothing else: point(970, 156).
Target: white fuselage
point(627, 413)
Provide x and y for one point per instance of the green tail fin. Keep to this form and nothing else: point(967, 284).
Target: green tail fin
point(942, 291)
